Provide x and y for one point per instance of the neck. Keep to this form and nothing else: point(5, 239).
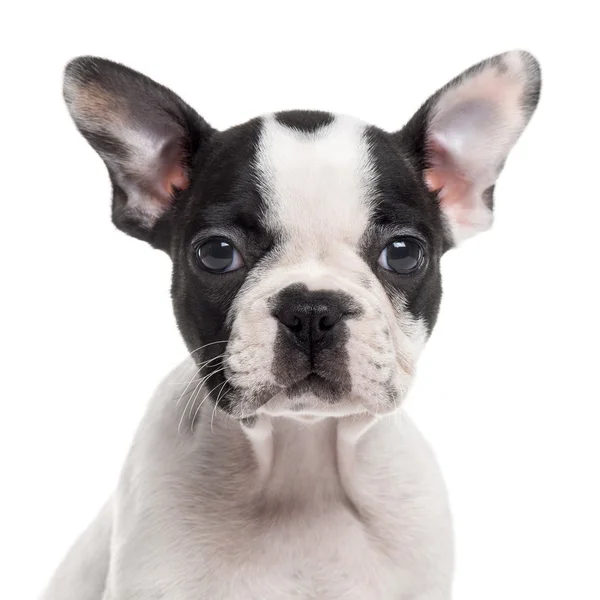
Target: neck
point(297, 462)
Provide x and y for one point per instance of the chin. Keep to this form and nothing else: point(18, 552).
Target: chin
point(309, 406)
point(309, 400)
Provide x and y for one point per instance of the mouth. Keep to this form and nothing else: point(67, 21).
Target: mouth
point(315, 384)
point(314, 393)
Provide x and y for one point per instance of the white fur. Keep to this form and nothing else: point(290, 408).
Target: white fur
point(318, 185)
point(351, 508)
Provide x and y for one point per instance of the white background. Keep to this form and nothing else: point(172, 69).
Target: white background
point(507, 390)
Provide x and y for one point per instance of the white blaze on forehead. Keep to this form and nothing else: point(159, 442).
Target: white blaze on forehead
point(317, 186)
point(319, 192)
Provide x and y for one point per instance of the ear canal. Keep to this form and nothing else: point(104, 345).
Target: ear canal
point(460, 138)
point(146, 135)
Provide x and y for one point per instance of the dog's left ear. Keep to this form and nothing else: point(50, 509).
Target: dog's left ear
point(460, 138)
point(146, 135)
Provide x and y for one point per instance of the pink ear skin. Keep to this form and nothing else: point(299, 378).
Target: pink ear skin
point(471, 126)
point(173, 175)
point(178, 179)
point(173, 180)
point(453, 187)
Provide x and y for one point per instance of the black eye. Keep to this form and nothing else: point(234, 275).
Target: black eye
point(219, 256)
point(404, 255)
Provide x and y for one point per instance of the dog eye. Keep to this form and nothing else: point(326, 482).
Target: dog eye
point(404, 255)
point(219, 256)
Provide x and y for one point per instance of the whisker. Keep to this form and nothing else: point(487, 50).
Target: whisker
point(209, 344)
point(228, 416)
point(193, 379)
point(194, 396)
point(215, 410)
point(221, 391)
point(187, 386)
point(185, 407)
point(211, 359)
point(200, 367)
point(203, 400)
point(204, 380)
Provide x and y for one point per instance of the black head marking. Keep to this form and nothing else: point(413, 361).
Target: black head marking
point(403, 203)
point(306, 121)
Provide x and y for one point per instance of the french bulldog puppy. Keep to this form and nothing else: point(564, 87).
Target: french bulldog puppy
point(276, 462)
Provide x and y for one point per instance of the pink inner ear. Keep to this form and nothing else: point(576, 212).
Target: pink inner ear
point(444, 176)
point(176, 178)
point(173, 174)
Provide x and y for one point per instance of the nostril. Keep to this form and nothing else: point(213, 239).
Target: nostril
point(294, 323)
point(328, 321)
point(290, 318)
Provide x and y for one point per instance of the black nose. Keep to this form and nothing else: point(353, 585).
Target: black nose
point(309, 316)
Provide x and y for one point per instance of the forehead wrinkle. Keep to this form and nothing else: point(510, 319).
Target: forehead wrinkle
point(318, 187)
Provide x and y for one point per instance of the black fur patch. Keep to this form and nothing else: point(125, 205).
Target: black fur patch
point(307, 121)
point(223, 200)
point(404, 204)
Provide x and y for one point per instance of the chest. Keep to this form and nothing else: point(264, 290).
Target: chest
point(216, 529)
point(275, 556)
point(328, 556)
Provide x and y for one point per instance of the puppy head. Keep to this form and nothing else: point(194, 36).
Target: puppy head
point(305, 246)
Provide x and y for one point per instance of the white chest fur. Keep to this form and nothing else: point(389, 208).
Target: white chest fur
point(339, 508)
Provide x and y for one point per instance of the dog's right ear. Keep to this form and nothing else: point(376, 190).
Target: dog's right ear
point(146, 135)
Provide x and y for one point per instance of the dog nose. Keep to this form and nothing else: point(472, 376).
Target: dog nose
point(309, 316)
point(308, 321)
